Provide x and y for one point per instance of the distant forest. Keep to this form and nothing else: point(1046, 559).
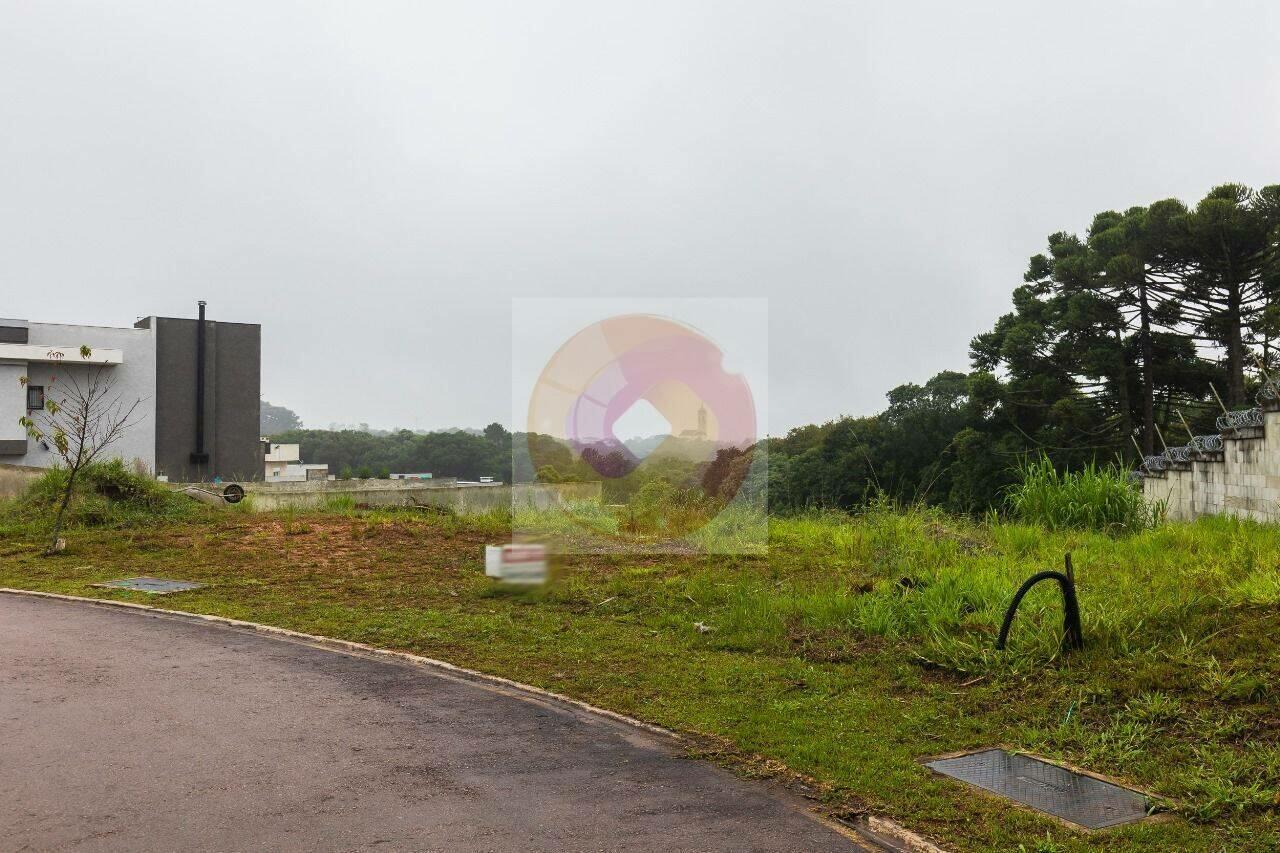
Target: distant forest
point(1116, 338)
point(1119, 339)
point(357, 453)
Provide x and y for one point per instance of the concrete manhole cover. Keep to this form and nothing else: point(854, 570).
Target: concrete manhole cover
point(158, 586)
point(1073, 797)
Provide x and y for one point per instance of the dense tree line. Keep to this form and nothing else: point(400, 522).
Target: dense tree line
point(935, 444)
point(1138, 317)
point(354, 453)
point(1115, 339)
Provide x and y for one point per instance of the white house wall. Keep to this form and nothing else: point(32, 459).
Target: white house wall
point(135, 379)
point(13, 404)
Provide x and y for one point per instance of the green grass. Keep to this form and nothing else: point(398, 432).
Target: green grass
point(1096, 497)
point(737, 528)
point(855, 648)
point(107, 494)
point(345, 504)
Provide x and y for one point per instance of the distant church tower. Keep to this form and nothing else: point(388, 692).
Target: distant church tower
point(701, 432)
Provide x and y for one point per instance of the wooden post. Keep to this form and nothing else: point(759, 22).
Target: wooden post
point(1266, 377)
point(1216, 397)
point(1261, 367)
point(1184, 425)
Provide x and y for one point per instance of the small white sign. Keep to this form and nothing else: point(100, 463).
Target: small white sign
point(525, 564)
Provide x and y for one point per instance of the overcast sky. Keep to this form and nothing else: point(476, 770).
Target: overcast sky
point(373, 182)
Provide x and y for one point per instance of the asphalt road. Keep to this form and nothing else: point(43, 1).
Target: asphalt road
point(129, 731)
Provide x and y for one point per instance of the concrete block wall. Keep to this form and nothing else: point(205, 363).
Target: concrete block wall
point(443, 492)
point(1242, 480)
point(14, 479)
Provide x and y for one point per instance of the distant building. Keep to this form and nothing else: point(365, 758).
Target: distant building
point(701, 431)
point(282, 463)
point(198, 382)
point(277, 458)
point(411, 476)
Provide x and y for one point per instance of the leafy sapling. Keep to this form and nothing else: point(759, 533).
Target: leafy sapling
point(82, 416)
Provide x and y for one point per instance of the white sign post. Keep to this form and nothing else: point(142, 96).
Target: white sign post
point(524, 564)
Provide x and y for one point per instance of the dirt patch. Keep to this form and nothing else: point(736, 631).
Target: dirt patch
point(965, 542)
point(827, 645)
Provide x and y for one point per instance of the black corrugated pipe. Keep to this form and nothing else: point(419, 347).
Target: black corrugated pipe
point(199, 457)
point(1072, 634)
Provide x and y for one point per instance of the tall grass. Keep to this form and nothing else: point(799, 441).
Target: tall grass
point(942, 584)
point(338, 504)
point(1095, 497)
point(107, 494)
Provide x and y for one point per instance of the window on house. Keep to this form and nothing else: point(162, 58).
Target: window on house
point(35, 397)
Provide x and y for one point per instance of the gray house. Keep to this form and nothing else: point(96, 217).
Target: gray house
point(198, 380)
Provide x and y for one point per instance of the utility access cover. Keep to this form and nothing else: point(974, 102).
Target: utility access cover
point(158, 586)
point(1074, 797)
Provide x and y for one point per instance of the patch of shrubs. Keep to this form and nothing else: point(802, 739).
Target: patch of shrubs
point(106, 493)
point(1095, 497)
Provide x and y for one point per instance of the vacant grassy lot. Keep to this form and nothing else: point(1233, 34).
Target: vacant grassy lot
point(855, 648)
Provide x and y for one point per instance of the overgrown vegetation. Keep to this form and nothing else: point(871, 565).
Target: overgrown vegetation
point(106, 493)
point(1095, 497)
point(858, 645)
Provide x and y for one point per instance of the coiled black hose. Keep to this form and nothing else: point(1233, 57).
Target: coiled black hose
point(1073, 636)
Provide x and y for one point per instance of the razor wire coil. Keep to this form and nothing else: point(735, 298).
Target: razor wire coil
point(1240, 419)
point(1206, 443)
point(1153, 464)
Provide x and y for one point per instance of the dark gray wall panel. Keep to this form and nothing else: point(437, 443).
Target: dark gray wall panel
point(233, 362)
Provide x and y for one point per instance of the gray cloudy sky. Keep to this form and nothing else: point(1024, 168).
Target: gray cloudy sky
point(374, 181)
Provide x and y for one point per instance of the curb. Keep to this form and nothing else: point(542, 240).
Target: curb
point(880, 832)
point(361, 649)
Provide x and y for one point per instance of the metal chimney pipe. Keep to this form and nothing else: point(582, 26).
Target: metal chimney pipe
point(199, 457)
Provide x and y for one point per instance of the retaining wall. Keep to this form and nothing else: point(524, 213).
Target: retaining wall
point(14, 479)
point(1241, 479)
point(464, 499)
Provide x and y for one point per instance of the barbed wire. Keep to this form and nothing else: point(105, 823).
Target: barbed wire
point(1206, 443)
point(1202, 445)
point(1240, 419)
point(1153, 465)
point(1199, 447)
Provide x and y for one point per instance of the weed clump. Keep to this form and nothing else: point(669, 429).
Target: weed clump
point(1098, 498)
point(107, 494)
